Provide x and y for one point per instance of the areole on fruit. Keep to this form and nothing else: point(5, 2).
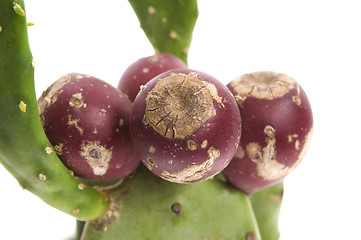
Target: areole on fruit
point(178, 105)
point(97, 156)
point(262, 85)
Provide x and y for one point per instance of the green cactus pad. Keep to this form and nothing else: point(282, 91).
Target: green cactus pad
point(24, 149)
point(148, 207)
point(168, 24)
point(266, 206)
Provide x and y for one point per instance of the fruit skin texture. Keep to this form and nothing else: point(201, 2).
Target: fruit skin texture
point(87, 122)
point(185, 126)
point(277, 126)
point(144, 69)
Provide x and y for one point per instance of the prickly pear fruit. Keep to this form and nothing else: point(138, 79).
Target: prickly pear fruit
point(87, 121)
point(144, 69)
point(276, 129)
point(185, 126)
point(147, 207)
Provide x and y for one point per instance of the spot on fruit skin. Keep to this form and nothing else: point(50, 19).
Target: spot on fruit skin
point(97, 156)
point(267, 165)
point(214, 92)
point(296, 100)
point(272, 170)
point(291, 137)
point(142, 87)
point(149, 163)
point(240, 153)
point(50, 95)
point(77, 101)
point(269, 131)
point(307, 141)
point(297, 144)
point(121, 122)
point(204, 144)
point(59, 149)
point(194, 172)
point(191, 145)
point(74, 122)
point(152, 149)
point(262, 85)
point(253, 151)
point(178, 105)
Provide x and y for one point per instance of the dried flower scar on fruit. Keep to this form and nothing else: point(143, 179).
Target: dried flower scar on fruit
point(144, 69)
point(185, 126)
point(87, 122)
point(277, 126)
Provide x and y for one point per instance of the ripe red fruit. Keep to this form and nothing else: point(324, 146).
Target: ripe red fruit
point(143, 70)
point(87, 122)
point(277, 126)
point(185, 126)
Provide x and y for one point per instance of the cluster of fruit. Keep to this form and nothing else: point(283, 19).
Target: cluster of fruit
point(184, 125)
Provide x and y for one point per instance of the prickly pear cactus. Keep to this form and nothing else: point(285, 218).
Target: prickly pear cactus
point(168, 24)
point(143, 206)
point(266, 205)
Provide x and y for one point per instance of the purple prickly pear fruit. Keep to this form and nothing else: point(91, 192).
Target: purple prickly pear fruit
point(87, 122)
point(185, 125)
point(143, 70)
point(277, 126)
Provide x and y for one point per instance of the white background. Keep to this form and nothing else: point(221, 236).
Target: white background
point(314, 41)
